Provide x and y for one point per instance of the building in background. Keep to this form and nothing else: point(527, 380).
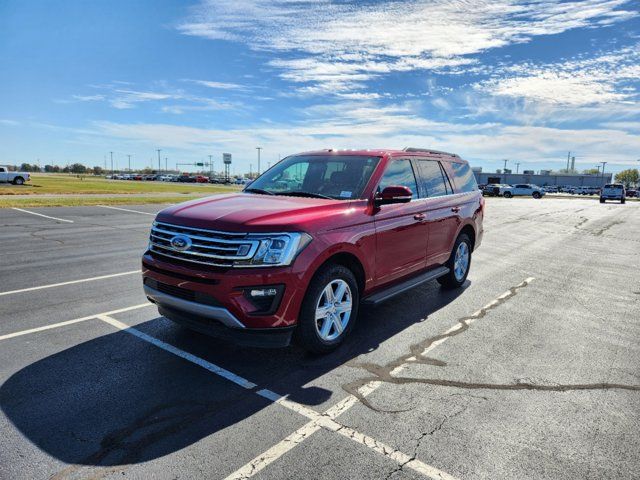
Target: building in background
point(545, 177)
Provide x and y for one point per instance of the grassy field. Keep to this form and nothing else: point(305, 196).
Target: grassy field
point(73, 201)
point(64, 184)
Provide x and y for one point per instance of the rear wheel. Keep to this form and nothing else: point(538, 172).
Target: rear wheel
point(18, 181)
point(623, 200)
point(508, 195)
point(536, 195)
point(601, 200)
point(329, 310)
point(458, 263)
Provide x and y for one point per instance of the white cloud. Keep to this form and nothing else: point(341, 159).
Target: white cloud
point(220, 85)
point(603, 79)
point(365, 125)
point(339, 46)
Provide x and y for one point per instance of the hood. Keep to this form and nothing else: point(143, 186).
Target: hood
point(246, 212)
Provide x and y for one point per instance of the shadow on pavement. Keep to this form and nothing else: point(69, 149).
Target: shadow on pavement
point(117, 400)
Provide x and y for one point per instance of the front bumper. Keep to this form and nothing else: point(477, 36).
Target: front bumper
point(248, 337)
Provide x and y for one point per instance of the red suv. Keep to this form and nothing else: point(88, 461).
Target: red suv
point(300, 248)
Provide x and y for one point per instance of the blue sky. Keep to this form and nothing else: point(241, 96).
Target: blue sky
point(522, 80)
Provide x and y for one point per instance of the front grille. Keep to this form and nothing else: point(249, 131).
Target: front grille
point(183, 293)
point(209, 247)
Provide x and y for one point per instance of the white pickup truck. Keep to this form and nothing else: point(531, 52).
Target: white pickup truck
point(521, 190)
point(17, 178)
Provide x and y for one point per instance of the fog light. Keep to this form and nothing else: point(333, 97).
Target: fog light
point(263, 292)
point(265, 300)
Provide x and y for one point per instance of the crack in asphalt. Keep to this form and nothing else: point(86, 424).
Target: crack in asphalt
point(383, 373)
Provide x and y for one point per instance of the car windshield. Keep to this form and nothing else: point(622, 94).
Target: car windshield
point(322, 176)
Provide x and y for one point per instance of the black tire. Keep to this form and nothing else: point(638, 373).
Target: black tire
point(18, 181)
point(623, 200)
point(508, 195)
point(601, 200)
point(536, 195)
point(306, 334)
point(449, 281)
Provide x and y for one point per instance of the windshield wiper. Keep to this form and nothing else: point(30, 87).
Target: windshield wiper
point(295, 193)
point(257, 190)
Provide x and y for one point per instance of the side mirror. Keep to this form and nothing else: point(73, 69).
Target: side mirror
point(393, 194)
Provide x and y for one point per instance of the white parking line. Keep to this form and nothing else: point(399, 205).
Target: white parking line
point(126, 210)
point(304, 432)
point(70, 322)
point(41, 215)
point(232, 377)
point(71, 282)
point(318, 420)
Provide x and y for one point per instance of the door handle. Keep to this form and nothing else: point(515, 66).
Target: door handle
point(455, 209)
point(420, 217)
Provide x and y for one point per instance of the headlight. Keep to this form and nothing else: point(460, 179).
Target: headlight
point(276, 250)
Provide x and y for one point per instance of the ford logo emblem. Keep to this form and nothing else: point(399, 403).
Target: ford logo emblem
point(180, 242)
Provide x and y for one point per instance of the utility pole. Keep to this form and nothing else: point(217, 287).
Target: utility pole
point(210, 166)
point(159, 164)
point(603, 164)
point(250, 168)
point(568, 160)
point(504, 171)
point(258, 148)
point(111, 153)
point(129, 162)
point(166, 163)
point(517, 167)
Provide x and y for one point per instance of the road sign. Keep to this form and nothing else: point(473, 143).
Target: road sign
point(199, 164)
point(226, 158)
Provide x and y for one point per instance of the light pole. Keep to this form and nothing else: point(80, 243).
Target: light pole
point(210, 166)
point(504, 171)
point(166, 163)
point(258, 148)
point(517, 167)
point(129, 162)
point(159, 164)
point(603, 164)
point(111, 153)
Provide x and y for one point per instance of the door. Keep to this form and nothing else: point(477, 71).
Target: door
point(402, 231)
point(442, 207)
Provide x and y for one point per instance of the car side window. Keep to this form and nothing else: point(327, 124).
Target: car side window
point(399, 172)
point(433, 179)
point(465, 179)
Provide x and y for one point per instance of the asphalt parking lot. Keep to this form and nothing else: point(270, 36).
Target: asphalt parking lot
point(531, 371)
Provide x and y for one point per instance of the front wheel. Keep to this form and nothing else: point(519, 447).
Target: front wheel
point(508, 195)
point(536, 195)
point(329, 309)
point(18, 181)
point(458, 263)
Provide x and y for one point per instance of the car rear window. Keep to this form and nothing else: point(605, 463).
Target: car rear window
point(617, 187)
point(465, 180)
point(432, 179)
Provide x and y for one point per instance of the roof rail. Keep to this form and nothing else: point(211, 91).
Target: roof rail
point(427, 150)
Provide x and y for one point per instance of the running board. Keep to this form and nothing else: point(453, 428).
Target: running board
point(399, 288)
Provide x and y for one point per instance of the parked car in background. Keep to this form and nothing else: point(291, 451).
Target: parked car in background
point(270, 264)
point(613, 191)
point(632, 193)
point(202, 179)
point(184, 178)
point(17, 178)
point(522, 190)
point(493, 189)
point(550, 189)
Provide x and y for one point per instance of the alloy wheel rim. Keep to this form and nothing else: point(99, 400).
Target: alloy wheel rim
point(333, 310)
point(461, 261)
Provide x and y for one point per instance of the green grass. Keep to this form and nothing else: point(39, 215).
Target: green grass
point(35, 201)
point(65, 184)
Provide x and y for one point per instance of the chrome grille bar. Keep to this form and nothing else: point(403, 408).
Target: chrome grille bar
point(207, 247)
